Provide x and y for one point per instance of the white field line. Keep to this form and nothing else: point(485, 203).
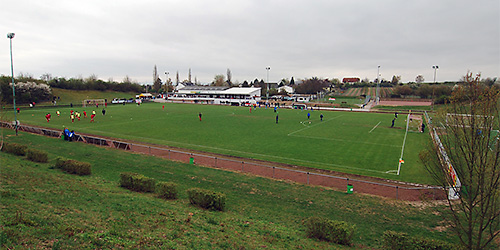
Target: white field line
point(307, 127)
point(342, 140)
point(404, 143)
point(165, 142)
point(375, 126)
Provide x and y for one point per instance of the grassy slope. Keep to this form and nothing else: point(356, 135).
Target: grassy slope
point(42, 207)
point(342, 142)
point(77, 96)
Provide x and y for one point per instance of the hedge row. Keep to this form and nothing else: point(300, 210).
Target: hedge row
point(166, 190)
point(140, 183)
point(333, 231)
point(37, 156)
point(22, 150)
point(401, 241)
point(137, 182)
point(73, 166)
point(207, 199)
point(15, 148)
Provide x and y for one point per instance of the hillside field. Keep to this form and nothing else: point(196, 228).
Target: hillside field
point(44, 208)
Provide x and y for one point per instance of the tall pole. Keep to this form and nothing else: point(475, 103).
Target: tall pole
point(435, 67)
point(10, 36)
point(267, 85)
point(378, 85)
point(166, 81)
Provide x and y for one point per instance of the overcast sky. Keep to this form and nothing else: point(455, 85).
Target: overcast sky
point(303, 39)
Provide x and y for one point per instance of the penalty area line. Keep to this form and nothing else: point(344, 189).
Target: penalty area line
point(310, 126)
point(375, 126)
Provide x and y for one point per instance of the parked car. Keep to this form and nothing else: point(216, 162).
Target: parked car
point(119, 100)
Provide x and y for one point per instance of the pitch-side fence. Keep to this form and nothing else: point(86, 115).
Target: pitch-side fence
point(390, 190)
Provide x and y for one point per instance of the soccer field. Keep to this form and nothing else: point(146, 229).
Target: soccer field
point(350, 142)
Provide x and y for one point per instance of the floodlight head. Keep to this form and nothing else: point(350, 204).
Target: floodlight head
point(268, 68)
point(10, 35)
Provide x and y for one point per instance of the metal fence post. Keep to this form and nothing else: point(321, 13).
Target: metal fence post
point(307, 178)
point(273, 171)
point(242, 166)
point(215, 161)
point(169, 154)
point(397, 192)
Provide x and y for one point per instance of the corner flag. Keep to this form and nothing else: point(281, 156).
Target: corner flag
point(401, 161)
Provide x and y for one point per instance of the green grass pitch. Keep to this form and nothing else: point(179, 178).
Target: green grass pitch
point(349, 142)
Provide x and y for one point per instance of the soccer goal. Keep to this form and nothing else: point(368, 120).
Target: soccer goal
point(93, 102)
point(414, 123)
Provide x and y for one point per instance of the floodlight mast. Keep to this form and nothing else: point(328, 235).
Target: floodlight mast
point(166, 81)
point(377, 98)
point(435, 67)
point(267, 87)
point(10, 36)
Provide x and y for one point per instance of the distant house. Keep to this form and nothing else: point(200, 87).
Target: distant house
point(287, 89)
point(182, 85)
point(351, 80)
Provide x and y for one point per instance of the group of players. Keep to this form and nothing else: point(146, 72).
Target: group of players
point(75, 115)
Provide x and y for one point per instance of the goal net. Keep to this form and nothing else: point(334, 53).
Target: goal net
point(414, 123)
point(93, 102)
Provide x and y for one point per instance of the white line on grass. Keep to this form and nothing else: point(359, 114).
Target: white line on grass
point(313, 125)
point(335, 139)
point(375, 126)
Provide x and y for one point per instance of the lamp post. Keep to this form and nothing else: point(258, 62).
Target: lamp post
point(267, 87)
point(435, 67)
point(378, 85)
point(166, 80)
point(10, 36)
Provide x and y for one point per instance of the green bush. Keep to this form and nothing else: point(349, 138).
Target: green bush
point(401, 241)
point(14, 148)
point(207, 199)
point(126, 180)
point(73, 166)
point(137, 182)
point(166, 190)
point(333, 231)
point(37, 155)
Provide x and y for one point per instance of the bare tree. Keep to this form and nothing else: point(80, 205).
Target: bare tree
point(46, 77)
point(229, 77)
point(419, 79)
point(218, 80)
point(470, 139)
point(156, 79)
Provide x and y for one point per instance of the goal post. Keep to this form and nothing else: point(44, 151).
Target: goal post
point(93, 102)
point(414, 122)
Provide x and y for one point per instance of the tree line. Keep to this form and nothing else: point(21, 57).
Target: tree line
point(29, 89)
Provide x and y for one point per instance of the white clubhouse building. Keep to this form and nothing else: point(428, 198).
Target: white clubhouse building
point(217, 95)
